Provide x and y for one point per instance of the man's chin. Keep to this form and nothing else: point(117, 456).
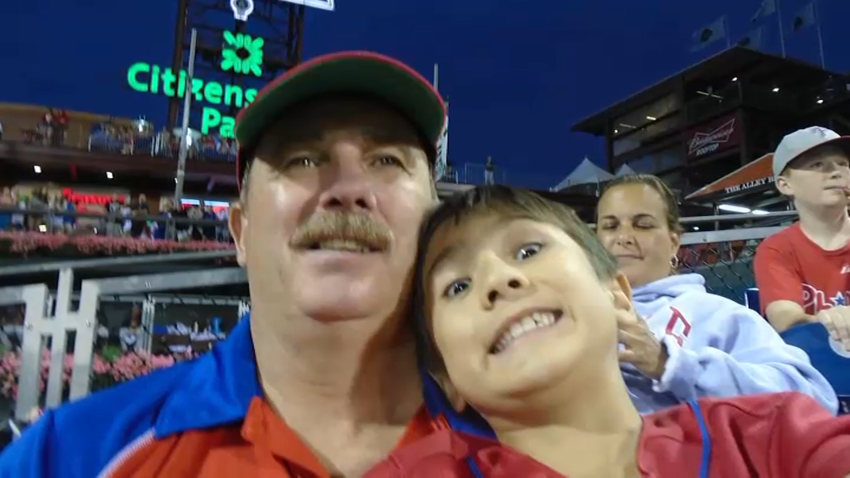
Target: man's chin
point(335, 301)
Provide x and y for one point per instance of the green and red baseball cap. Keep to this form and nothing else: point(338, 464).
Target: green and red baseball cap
point(354, 72)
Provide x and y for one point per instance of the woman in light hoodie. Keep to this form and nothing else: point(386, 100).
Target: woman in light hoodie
point(691, 344)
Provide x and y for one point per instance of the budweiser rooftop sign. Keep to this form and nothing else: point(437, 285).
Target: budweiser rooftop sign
point(713, 137)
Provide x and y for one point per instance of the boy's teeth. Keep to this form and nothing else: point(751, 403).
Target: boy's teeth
point(519, 328)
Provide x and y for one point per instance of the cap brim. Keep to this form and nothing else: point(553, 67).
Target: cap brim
point(842, 141)
point(348, 72)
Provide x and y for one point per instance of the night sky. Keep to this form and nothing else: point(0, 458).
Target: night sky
point(518, 73)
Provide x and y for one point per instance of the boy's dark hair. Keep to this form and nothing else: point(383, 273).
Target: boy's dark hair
point(657, 184)
point(511, 203)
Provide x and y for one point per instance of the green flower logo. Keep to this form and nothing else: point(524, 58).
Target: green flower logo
point(242, 54)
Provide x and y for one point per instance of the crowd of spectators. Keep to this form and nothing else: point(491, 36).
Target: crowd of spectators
point(140, 139)
point(51, 211)
point(129, 138)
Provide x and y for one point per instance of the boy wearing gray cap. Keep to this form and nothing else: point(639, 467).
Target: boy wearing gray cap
point(803, 272)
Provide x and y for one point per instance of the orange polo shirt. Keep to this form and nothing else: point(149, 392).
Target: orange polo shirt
point(262, 446)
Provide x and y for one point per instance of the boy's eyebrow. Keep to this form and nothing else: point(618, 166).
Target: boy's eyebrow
point(442, 256)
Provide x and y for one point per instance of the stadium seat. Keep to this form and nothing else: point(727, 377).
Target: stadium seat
point(826, 355)
point(751, 299)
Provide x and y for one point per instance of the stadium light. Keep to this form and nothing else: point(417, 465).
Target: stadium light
point(320, 4)
point(759, 212)
point(37, 169)
point(242, 9)
point(651, 118)
point(733, 208)
point(735, 79)
point(776, 89)
point(820, 101)
point(109, 175)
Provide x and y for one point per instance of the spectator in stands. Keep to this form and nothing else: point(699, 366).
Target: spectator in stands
point(12, 327)
point(38, 201)
point(489, 172)
point(522, 305)
point(209, 232)
point(132, 334)
point(46, 127)
point(58, 206)
point(18, 219)
point(322, 379)
point(802, 271)
point(166, 210)
point(61, 121)
point(140, 227)
point(689, 343)
point(7, 201)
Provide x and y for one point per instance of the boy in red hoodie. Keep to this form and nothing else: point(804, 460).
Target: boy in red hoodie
point(523, 310)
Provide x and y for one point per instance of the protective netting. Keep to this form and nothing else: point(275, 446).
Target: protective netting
point(726, 266)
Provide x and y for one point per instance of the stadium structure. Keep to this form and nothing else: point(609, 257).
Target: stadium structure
point(710, 129)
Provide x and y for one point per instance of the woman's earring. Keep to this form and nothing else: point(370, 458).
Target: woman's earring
point(674, 262)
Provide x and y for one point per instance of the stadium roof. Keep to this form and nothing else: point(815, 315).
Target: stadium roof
point(722, 67)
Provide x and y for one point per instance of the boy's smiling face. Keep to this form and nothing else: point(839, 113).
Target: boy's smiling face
point(516, 308)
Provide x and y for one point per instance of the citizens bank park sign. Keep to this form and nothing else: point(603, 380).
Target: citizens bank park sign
point(713, 137)
point(241, 54)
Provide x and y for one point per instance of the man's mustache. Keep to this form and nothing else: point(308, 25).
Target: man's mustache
point(329, 226)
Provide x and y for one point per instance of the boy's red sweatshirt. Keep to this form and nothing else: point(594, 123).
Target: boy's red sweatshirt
point(777, 435)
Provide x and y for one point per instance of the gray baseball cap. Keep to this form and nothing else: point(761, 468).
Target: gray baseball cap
point(803, 141)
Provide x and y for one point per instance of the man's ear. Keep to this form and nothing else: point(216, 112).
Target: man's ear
point(238, 222)
point(452, 395)
point(621, 292)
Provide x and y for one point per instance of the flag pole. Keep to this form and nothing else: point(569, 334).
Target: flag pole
point(728, 33)
point(184, 141)
point(781, 28)
point(436, 77)
point(820, 35)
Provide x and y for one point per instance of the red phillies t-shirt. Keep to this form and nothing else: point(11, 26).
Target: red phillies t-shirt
point(789, 266)
point(777, 435)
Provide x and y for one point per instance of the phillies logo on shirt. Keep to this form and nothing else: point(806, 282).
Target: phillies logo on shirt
point(815, 300)
point(678, 326)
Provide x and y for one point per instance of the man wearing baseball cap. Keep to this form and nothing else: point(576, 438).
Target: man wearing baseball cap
point(335, 174)
point(802, 271)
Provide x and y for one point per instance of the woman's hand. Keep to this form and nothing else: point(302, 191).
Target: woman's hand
point(642, 349)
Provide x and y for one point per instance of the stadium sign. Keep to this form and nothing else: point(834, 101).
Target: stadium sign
point(713, 137)
point(241, 54)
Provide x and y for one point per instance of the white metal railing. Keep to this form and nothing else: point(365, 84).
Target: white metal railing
point(41, 320)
